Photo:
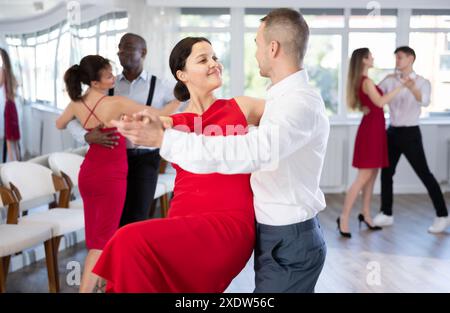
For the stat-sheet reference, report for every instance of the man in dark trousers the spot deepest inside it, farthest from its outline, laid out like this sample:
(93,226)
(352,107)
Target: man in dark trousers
(143,164)
(404,137)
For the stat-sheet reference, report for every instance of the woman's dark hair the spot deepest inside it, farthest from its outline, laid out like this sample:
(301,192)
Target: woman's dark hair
(177,61)
(89,70)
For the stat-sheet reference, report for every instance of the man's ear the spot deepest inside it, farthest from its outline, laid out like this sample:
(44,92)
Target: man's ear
(144,52)
(274,48)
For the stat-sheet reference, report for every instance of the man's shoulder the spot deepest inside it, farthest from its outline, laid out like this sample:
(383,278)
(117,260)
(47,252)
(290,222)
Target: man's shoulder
(422,79)
(303,97)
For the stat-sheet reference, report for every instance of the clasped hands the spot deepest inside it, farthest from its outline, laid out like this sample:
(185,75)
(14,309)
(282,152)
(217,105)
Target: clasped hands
(143,128)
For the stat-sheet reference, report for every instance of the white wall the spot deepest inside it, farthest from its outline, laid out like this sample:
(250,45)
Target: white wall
(338,174)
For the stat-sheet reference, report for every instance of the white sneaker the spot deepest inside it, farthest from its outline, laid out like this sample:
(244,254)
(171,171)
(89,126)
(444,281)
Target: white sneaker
(383,220)
(439,225)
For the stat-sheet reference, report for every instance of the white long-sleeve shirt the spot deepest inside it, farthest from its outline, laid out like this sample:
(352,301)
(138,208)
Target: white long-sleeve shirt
(285,153)
(404,109)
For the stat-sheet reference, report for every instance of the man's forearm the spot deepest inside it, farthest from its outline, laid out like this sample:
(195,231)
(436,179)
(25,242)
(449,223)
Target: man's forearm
(417,94)
(222,154)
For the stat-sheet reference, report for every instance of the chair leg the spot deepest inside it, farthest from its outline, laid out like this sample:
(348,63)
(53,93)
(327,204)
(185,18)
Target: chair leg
(52,272)
(4,267)
(164,205)
(56,242)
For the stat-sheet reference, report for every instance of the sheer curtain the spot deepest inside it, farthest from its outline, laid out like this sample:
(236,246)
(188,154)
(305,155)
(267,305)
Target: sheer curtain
(159,27)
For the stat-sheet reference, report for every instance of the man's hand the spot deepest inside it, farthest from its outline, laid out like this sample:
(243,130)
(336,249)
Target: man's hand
(144,129)
(409,83)
(107,139)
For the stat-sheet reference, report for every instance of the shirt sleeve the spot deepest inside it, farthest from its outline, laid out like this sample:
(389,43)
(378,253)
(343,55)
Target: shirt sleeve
(77,131)
(262,148)
(384,84)
(168,87)
(425,90)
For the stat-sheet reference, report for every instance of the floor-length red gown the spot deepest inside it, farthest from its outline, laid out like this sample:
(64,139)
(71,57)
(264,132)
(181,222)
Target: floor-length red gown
(205,241)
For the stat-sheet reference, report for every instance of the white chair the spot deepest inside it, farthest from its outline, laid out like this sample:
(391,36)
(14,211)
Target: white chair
(16,238)
(67,165)
(31,181)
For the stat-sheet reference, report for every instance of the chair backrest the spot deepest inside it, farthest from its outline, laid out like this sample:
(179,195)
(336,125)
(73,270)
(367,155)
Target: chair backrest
(7,199)
(33,184)
(41,160)
(68,163)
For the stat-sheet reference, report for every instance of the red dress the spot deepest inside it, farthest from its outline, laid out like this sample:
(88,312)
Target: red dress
(102,182)
(12,131)
(371,142)
(205,241)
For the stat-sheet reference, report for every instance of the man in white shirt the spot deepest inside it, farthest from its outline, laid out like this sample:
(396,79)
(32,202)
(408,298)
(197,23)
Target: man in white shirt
(404,137)
(143,164)
(290,249)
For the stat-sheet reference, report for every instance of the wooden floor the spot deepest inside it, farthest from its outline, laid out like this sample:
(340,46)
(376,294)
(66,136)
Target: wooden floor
(400,258)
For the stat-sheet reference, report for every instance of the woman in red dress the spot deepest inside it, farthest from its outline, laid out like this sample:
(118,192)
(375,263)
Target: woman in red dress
(103,173)
(209,234)
(12,130)
(370,152)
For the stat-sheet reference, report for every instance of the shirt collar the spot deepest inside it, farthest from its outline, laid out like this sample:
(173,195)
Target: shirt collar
(144,76)
(299,78)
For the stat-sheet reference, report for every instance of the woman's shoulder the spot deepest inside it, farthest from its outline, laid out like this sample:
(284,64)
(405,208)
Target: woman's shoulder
(366,82)
(246,100)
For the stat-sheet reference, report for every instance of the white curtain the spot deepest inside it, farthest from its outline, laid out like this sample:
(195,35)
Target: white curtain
(159,27)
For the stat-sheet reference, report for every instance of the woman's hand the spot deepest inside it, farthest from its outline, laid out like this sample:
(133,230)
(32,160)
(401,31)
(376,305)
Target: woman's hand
(166,121)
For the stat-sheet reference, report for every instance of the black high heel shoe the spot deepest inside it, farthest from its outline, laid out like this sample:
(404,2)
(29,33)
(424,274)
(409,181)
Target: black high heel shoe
(343,234)
(361,220)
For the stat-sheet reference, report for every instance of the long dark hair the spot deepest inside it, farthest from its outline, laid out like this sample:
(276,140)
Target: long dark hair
(88,71)
(10,79)
(177,61)
(355,69)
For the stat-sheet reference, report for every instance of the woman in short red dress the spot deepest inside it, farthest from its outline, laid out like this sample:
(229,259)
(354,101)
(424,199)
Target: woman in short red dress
(12,130)
(103,173)
(209,234)
(370,152)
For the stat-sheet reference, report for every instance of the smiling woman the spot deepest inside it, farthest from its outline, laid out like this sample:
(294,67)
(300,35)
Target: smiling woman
(208,236)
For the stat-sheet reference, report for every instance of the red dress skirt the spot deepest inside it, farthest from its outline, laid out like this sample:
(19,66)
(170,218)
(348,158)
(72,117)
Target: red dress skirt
(12,131)
(103,186)
(371,149)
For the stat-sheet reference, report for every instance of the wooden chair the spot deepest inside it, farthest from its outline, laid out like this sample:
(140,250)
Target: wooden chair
(67,165)
(15,238)
(36,184)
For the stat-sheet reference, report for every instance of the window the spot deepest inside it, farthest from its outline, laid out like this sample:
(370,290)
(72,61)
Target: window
(382,46)
(56,49)
(213,24)
(430,18)
(433,63)
(322,59)
(373,18)
(324,18)
(205,17)
(430,38)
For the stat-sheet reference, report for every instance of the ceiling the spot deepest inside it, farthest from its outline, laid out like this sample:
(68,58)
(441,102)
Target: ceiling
(22,9)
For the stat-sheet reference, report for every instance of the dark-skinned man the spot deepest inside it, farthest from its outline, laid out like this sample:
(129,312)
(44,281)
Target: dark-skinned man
(143,164)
